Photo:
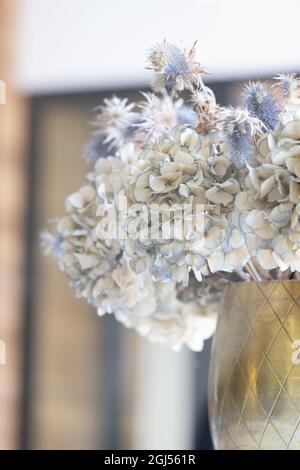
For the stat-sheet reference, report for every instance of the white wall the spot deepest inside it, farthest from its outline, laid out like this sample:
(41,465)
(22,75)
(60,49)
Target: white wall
(92,44)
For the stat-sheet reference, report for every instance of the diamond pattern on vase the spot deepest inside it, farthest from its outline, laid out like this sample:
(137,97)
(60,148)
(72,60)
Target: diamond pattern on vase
(253,417)
(255,380)
(271,440)
(279,356)
(295,441)
(244,438)
(284,407)
(292,386)
(267,387)
(281,301)
(293,289)
(266,327)
(292,322)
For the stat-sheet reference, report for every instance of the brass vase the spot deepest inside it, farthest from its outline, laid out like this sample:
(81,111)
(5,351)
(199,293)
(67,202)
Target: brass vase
(254,382)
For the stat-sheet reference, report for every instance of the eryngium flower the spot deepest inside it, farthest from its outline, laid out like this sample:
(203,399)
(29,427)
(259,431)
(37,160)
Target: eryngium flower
(174,69)
(186,115)
(239,130)
(115,118)
(158,116)
(95,148)
(166,56)
(261,104)
(288,83)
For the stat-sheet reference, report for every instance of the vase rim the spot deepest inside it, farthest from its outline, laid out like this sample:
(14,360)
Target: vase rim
(271,281)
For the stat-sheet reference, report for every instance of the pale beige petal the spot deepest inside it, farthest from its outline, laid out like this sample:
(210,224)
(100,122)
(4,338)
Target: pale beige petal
(266,259)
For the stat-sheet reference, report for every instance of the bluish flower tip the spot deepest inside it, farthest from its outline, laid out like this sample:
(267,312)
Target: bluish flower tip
(95,148)
(186,115)
(239,129)
(261,104)
(240,147)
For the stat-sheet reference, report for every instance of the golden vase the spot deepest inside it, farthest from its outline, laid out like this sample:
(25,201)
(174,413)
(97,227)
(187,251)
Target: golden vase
(254,381)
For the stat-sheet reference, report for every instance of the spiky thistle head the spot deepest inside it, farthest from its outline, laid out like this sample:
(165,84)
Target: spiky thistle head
(203,97)
(261,104)
(165,55)
(287,83)
(174,69)
(204,103)
(95,148)
(240,129)
(158,115)
(186,115)
(113,121)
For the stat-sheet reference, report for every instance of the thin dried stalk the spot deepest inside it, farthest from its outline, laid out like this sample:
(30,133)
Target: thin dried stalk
(263,274)
(258,274)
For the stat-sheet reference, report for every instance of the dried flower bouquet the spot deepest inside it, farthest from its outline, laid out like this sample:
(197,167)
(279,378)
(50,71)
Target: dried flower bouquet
(184,197)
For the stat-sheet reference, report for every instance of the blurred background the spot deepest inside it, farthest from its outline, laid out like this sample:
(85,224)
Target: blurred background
(69,379)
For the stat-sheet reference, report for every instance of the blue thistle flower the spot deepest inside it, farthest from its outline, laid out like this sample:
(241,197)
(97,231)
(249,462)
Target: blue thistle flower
(98,146)
(174,68)
(112,122)
(239,130)
(240,146)
(131,129)
(175,65)
(286,82)
(261,104)
(95,148)
(186,115)
(168,58)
